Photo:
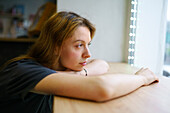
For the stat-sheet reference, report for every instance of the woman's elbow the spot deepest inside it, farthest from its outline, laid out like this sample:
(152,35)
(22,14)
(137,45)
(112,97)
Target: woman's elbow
(104,91)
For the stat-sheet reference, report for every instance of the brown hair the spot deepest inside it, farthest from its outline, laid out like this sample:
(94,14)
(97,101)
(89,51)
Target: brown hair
(55,31)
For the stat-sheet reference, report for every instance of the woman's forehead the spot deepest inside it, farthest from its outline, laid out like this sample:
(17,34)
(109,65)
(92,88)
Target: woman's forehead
(82,33)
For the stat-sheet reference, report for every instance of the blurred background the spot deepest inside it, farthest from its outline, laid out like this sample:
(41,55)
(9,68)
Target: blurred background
(16,16)
(20,25)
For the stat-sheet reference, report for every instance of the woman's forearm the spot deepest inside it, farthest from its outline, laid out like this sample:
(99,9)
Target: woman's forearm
(119,85)
(108,86)
(96,67)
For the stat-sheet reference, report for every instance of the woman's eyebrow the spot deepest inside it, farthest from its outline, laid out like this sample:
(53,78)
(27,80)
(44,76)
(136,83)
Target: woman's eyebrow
(80,41)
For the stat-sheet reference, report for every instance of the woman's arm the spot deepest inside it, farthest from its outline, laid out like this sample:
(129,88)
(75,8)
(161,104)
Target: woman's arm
(97,88)
(96,67)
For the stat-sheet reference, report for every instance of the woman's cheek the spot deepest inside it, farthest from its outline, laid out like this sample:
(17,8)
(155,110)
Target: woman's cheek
(74,55)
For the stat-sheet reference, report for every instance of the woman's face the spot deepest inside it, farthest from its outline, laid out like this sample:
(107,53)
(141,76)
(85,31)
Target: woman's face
(75,50)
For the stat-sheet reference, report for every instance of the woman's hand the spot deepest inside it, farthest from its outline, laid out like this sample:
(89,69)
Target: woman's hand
(149,76)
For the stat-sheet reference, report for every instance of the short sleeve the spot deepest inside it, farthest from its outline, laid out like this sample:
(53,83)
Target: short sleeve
(19,77)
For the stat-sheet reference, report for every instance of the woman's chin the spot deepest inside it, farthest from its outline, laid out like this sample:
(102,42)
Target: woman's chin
(77,69)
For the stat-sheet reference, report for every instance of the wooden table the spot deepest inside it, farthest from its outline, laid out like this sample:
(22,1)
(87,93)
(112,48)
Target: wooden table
(150,99)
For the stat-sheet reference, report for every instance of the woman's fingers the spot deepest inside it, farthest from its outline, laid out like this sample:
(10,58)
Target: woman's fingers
(148,74)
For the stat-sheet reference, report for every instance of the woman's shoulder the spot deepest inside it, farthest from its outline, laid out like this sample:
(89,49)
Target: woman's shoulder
(26,66)
(18,64)
(22,62)
(23,72)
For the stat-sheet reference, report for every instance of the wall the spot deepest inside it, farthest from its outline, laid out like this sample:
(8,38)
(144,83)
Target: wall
(150,34)
(110,18)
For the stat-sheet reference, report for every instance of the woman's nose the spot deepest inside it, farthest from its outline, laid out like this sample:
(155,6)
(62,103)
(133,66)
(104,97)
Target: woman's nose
(86,53)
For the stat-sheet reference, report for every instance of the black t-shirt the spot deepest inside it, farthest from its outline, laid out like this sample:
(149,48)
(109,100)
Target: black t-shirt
(16,82)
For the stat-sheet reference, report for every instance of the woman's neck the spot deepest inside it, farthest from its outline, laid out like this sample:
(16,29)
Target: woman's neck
(58,67)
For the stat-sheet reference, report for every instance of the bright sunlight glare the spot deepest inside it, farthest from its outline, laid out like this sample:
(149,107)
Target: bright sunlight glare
(168,12)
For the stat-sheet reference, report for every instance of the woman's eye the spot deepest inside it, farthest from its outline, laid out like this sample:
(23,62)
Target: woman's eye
(79,45)
(89,44)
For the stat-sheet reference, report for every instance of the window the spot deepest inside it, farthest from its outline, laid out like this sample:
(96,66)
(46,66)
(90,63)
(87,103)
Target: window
(166,71)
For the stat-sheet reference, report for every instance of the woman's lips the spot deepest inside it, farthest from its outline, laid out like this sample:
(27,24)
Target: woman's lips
(83,63)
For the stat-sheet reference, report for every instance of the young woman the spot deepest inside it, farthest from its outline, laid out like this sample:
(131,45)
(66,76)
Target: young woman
(57,64)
